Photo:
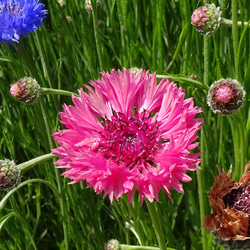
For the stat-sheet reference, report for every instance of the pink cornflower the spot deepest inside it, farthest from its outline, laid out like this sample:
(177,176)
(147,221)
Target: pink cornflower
(129,133)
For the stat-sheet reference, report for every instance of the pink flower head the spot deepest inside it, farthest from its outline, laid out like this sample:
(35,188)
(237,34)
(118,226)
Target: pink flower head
(226,96)
(206,19)
(129,133)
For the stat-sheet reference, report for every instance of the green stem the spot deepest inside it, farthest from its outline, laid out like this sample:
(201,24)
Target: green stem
(239,142)
(128,247)
(42,55)
(206,61)
(236,172)
(235,34)
(43,59)
(152,209)
(58,177)
(229,23)
(96,33)
(137,223)
(243,141)
(200,182)
(122,14)
(184,80)
(48,91)
(25,166)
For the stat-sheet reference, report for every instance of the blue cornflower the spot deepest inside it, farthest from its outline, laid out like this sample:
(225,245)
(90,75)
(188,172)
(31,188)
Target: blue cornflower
(19,17)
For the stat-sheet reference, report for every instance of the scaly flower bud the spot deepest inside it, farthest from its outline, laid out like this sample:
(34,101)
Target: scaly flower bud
(10,175)
(112,245)
(225,96)
(26,90)
(206,19)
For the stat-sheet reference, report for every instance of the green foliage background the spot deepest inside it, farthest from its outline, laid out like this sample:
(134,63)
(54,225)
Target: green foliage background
(71,48)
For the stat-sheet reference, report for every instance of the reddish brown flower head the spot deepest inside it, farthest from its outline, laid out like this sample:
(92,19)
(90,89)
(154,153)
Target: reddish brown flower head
(225,96)
(230,203)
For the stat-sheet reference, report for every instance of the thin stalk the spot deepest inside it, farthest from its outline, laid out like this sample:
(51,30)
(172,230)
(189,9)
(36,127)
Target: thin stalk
(239,142)
(235,33)
(206,60)
(152,209)
(58,178)
(184,80)
(122,12)
(25,166)
(96,33)
(200,180)
(43,59)
(243,141)
(229,23)
(137,224)
(236,172)
(47,91)
(45,66)
(128,247)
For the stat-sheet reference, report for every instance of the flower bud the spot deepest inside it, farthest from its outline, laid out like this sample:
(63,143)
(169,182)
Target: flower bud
(225,96)
(69,19)
(206,19)
(26,90)
(62,3)
(112,245)
(10,175)
(88,5)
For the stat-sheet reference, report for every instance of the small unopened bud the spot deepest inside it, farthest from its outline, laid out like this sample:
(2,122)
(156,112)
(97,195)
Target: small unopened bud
(98,4)
(101,24)
(26,90)
(193,77)
(112,245)
(206,19)
(225,96)
(69,19)
(62,3)
(10,175)
(89,8)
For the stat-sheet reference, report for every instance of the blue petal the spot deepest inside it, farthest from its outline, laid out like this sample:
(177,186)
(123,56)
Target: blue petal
(22,17)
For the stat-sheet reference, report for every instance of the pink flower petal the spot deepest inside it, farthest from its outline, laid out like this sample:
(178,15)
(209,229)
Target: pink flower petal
(129,133)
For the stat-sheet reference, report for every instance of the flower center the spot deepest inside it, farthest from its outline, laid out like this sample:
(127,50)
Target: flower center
(224,94)
(131,140)
(240,200)
(199,17)
(12,8)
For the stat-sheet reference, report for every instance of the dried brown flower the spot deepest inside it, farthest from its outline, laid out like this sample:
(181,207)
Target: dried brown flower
(230,202)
